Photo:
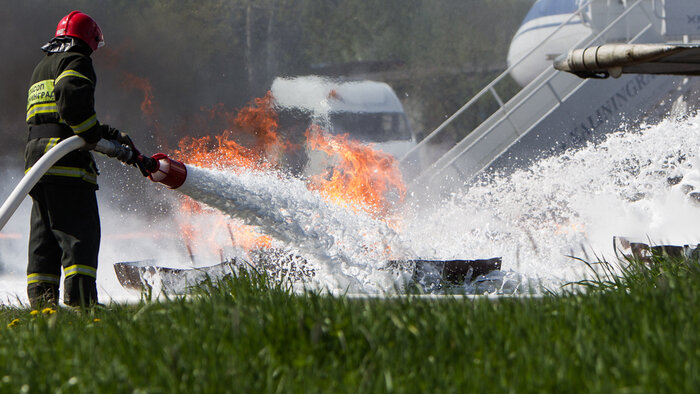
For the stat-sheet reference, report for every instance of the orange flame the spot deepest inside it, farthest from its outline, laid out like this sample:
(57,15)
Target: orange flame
(254,126)
(132,81)
(220,152)
(148,108)
(257,124)
(260,120)
(361,177)
(207,230)
(10,236)
(247,238)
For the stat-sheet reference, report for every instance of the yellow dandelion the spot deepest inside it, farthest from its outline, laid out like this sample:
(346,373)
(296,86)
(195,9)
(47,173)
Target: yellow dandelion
(13,323)
(48,311)
(96,320)
(34,312)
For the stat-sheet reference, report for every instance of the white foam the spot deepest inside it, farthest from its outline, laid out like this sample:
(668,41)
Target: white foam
(570,205)
(573,204)
(348,246)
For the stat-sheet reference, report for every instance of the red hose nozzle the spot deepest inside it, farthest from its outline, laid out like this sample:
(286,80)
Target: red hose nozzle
(170,172)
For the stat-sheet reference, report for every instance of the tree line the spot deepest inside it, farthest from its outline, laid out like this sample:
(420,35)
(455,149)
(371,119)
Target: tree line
(199,54)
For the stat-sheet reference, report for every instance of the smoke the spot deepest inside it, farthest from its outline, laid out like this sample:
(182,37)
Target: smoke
(201,54)
(15,234)
(149,42)
(308,94)
(194,56)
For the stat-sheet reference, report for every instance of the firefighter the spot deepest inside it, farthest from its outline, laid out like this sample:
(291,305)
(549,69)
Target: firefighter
(65,224)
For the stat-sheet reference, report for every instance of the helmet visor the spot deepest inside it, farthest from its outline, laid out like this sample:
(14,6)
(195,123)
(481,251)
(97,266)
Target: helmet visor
(100,40)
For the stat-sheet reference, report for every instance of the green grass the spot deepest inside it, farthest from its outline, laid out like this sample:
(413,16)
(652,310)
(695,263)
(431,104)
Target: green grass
(636,334)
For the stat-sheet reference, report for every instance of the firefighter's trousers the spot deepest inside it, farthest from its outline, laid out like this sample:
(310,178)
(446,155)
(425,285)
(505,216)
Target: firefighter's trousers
(65,232)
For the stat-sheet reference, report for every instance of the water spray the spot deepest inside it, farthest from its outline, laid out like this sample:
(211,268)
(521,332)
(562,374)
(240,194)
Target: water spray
(284,208)
(159,168)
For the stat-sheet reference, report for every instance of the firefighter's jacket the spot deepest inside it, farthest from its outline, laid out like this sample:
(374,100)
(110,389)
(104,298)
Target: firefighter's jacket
(60,104)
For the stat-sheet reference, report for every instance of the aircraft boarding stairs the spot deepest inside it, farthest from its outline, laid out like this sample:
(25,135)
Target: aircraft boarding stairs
(554,112)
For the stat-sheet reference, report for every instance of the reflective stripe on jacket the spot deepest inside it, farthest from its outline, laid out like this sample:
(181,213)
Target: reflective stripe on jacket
(62,92)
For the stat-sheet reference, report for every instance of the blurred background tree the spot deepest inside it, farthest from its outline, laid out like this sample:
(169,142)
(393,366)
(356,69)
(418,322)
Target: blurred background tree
(192,55)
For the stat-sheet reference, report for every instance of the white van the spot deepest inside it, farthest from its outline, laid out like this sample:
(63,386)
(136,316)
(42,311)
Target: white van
(367,111)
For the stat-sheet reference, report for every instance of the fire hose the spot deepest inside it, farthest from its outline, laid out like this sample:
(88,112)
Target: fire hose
(158,168)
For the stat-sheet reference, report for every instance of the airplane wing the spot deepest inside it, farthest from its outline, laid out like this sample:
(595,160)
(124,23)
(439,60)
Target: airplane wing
(608,60)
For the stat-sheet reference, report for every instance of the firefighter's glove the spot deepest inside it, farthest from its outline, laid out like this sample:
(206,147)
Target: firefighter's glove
(88,146)
(145,164)
(118,151)
(131,160)
(124,139)
(111,133)
(126,155)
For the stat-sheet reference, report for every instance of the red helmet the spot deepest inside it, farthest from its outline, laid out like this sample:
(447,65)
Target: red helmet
(79,25)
